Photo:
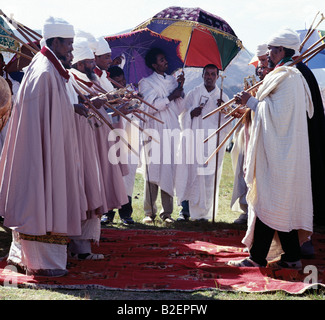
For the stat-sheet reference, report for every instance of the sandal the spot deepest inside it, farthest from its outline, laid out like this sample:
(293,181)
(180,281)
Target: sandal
(247,262)
(86,256)
(297,265)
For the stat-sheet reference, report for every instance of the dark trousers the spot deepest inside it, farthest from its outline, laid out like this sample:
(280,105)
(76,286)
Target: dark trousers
(185,208)
(263,236)
(124,212)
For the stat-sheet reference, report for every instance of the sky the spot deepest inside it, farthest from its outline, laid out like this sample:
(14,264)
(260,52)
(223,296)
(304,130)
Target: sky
(253,21)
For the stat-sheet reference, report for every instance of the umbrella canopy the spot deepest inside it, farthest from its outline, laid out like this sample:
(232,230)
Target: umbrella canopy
(318,61)
(5,39)
(205,38)
(134,47)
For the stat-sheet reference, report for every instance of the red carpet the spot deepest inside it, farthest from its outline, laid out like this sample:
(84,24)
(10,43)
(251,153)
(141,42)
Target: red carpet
(175,260)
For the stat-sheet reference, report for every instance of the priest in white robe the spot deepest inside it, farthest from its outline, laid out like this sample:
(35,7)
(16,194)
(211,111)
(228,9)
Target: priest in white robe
(195,181)
(280,216)
(41,195)
(164,92)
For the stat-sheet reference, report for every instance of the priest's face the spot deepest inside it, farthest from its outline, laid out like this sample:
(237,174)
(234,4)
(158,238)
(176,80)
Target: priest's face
(121,80)
(210,76)
(275,55)
(104,61)
(67,61)
(87,66)
(62,48)
(263,60)
(161,64)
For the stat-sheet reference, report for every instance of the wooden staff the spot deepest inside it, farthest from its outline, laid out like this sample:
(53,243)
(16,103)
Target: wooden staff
(150,116)
(217,159)
(311,30)
(311,52)
(219,129)
(227,137)
(139,117)
(93,108)
(299,59)
(84,87)
(231,101)
(19,40)
(21,26)
(142,100)
(108,93)
(316,43)
(314,54)
(16,52)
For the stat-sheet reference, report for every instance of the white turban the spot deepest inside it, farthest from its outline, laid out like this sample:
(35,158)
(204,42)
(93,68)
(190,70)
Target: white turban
(57,27)
(81,50)
(261,50)
(286,38)
(102,47)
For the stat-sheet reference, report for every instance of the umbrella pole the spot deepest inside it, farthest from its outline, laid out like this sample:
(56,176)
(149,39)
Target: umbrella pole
(217,158)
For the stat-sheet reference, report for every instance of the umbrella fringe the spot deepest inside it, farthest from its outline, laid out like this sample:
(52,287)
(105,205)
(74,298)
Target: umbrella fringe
(129,34)
(193,24)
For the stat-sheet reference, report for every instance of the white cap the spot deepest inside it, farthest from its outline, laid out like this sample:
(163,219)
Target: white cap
(286,38)
(81,50)
(57,27)
(102,47)
(261,50)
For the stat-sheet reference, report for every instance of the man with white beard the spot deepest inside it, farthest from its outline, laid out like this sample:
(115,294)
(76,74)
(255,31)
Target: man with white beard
(195,181)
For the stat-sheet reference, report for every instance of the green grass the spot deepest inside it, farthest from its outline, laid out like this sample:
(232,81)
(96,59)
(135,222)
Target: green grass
(224,219)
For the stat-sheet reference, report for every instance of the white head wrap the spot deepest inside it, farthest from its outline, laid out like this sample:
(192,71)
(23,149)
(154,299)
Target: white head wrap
(81,50)
(261,50)
(57,27)
(102,47)
(286,38)
(42,43)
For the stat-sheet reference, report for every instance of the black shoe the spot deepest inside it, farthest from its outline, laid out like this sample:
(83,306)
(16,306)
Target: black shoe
(106,220)
(127,221)
(183,217)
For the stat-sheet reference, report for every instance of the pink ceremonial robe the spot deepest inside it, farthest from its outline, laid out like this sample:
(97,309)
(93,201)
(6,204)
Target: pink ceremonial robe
(41,190)
(112,173)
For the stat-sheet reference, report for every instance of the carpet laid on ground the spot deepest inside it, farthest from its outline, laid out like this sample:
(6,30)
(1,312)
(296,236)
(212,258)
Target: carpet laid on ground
(176,260)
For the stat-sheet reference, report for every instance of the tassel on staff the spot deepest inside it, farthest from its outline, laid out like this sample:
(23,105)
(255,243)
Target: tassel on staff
(105,94)
(142,100)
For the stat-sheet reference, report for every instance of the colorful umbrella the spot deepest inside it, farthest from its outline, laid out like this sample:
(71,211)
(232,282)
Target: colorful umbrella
(134,46)
(318,61)
(205,38)
(5,39)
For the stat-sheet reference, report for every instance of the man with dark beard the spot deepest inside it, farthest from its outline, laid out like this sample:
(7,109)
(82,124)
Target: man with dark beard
(112,192)
(40,169)
(278,174)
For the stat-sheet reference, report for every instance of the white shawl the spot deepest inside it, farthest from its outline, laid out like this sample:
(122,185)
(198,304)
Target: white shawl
(278,164)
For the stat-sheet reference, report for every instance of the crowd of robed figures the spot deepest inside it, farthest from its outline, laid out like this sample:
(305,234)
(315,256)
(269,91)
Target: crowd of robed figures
(61,131)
